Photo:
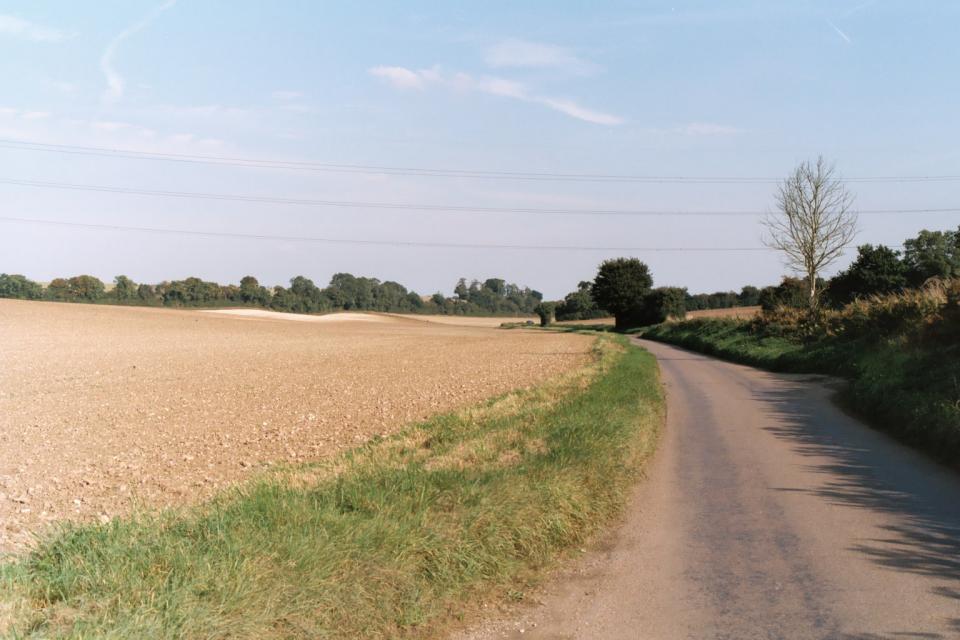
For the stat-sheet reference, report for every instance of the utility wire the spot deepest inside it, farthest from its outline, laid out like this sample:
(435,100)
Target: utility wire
(352,241)
(22,145)
(411,206)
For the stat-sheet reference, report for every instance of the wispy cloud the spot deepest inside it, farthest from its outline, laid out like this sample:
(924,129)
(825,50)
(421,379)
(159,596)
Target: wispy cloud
(407,79)
(706,129)
(399,77)
(115,82)
(840,32)
(523,53)
(286,95)
(574,110)
(18,27)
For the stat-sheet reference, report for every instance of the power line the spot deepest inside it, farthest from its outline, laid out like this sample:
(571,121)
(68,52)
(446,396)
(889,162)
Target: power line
(22,145)
(442,208)
(352,241)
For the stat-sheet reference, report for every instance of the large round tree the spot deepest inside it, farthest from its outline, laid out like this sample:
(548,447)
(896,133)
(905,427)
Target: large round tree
(619,288)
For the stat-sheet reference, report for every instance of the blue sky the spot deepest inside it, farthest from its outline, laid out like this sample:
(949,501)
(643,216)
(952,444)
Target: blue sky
(641,88)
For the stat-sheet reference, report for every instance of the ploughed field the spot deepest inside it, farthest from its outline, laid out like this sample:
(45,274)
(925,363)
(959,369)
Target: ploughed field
(103,408)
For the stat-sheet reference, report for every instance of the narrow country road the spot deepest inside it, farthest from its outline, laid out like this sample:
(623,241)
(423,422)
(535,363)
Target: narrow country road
(767,513)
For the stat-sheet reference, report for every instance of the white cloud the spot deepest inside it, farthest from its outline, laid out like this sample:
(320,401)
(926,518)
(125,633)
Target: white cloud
(115,82)
(399,77)
(403,78)
(286,95)
(522,53)
(35,115)
(13,26)
(574,110)
(501,87)
(8,112)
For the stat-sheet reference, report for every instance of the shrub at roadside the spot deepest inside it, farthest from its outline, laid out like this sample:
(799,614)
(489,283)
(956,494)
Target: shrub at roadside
(660,305)
(901,353)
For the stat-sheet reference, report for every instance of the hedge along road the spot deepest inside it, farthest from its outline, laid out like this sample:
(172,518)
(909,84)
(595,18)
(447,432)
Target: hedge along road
(768,513)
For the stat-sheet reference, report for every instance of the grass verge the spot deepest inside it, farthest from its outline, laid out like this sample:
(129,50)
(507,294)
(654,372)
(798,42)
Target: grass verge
(390,540)
(910,389)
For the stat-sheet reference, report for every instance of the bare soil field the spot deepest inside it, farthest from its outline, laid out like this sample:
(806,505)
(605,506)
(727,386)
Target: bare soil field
(732,312)
(298,317)
(103,408)
(467,321)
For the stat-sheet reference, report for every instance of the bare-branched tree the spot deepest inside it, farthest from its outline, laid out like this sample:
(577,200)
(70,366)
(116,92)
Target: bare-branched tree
(814,222)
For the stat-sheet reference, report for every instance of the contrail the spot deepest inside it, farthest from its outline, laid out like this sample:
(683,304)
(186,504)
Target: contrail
(840,32)
(114,79)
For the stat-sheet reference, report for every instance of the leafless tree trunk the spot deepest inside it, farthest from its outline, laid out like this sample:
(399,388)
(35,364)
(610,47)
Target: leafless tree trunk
(814,221)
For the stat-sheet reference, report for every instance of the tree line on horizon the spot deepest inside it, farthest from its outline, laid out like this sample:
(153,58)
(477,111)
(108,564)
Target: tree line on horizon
(345,292)
(876,270)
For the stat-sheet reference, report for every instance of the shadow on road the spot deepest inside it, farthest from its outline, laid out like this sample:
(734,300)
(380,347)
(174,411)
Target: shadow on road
(923,496)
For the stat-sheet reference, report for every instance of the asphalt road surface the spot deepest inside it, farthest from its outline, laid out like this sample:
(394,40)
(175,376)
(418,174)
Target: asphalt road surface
(767,513)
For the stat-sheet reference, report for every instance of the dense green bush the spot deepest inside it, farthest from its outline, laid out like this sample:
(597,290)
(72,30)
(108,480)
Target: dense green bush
(619,288)
(123,289)
(251,292)
(546,312)
(579,304)
(18,286)
(791,292)
(932,254)
(880,270)
(76,289)
(660,305)
(876,270)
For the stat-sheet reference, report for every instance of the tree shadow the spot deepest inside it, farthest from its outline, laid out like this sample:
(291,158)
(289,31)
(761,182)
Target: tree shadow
(869,470)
